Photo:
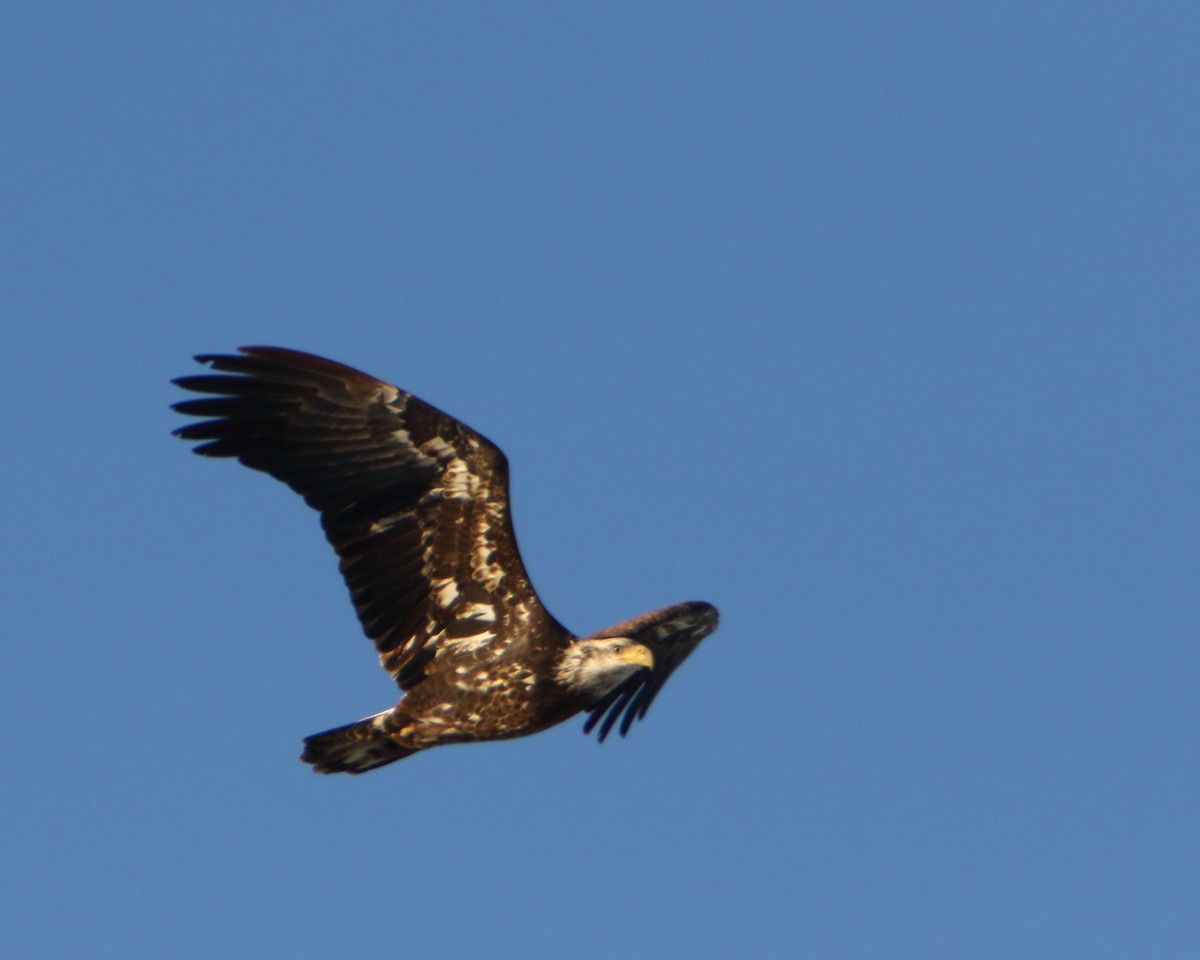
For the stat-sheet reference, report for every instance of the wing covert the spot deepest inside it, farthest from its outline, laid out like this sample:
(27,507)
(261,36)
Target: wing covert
(414,502)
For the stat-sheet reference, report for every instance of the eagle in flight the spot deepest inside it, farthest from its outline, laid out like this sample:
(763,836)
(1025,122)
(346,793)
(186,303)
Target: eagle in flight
(416,506)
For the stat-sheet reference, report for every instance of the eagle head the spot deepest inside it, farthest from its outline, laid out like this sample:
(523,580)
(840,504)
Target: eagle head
(593,667)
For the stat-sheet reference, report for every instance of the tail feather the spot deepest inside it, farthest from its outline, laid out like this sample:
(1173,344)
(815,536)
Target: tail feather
(354,748)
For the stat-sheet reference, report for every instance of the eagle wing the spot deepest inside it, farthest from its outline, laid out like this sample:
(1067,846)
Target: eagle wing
(671,633)
(414,502)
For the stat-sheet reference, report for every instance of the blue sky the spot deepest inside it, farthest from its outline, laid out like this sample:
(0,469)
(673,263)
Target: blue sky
(874,325)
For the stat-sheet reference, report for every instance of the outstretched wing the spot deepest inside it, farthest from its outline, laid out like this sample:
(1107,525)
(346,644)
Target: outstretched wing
(671,633)
(414,502)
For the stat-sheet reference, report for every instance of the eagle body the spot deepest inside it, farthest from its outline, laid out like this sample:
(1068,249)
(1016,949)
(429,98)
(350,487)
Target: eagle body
(463,700)
(415,504)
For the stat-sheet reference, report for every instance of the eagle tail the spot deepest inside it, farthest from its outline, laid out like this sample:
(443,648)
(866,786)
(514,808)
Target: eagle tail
(354,748)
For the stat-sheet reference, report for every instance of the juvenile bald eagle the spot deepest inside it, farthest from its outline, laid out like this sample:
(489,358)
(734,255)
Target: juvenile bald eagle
(416,506)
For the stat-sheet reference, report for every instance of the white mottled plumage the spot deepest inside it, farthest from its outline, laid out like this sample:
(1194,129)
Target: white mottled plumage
(416,505)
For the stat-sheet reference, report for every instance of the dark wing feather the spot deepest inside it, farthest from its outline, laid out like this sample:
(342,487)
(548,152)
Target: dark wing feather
(414,502)
(672,633)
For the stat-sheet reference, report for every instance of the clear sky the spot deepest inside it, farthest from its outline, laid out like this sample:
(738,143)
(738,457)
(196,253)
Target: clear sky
(876,325)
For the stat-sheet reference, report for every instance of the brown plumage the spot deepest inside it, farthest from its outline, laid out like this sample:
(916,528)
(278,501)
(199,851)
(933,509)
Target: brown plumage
(416,506)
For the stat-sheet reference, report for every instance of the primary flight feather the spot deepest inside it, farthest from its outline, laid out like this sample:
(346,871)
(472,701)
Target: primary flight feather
(416,505)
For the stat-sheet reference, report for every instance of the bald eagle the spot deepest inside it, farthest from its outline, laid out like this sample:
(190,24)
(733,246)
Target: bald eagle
(416,506)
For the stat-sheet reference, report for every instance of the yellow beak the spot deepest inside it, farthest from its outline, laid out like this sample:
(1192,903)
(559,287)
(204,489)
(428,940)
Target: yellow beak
(639,654)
